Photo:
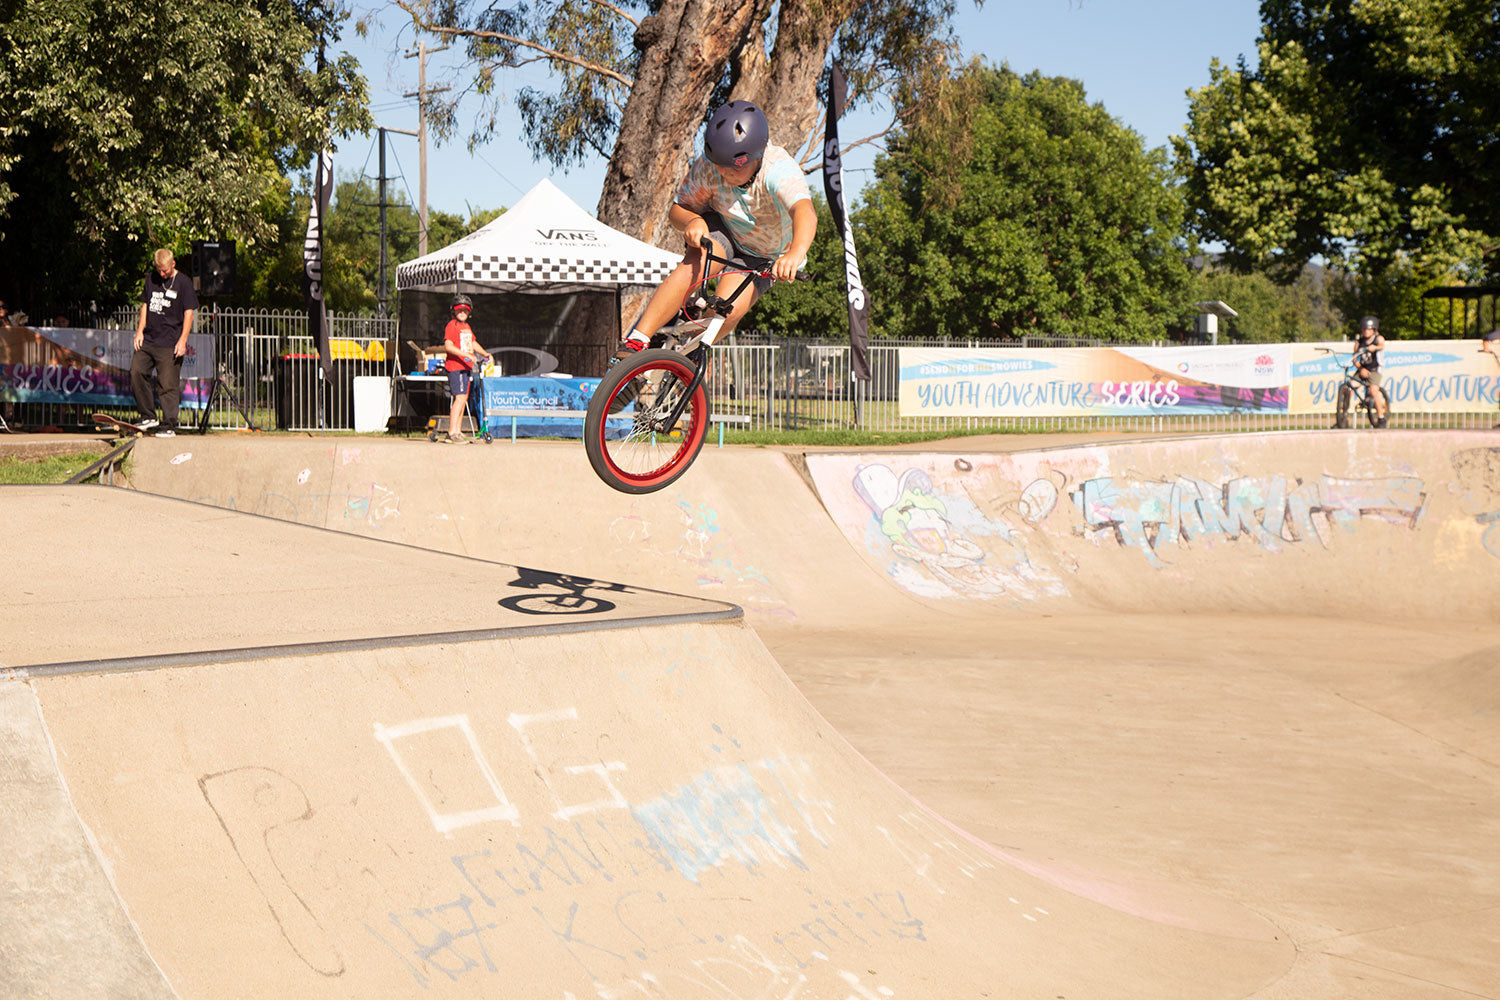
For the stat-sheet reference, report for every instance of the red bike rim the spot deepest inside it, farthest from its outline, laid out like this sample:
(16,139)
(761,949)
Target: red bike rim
(679,458)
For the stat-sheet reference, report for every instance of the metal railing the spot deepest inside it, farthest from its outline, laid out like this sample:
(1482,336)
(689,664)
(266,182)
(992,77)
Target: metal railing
(789,384)
(778,382)
(270,361)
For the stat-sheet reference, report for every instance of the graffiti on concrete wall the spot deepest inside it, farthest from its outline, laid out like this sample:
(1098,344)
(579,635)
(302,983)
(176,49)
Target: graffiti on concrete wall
(1155,516)
(701,539)
(1477,483)
(943,545)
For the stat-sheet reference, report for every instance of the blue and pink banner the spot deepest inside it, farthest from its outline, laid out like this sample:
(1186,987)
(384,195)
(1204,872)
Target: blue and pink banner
(87,367)
(1420,376)
(1450,376)
(1094,381)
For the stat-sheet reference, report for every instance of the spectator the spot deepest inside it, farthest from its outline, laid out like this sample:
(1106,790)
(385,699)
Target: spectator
(462,350)
(168,304)
(5,315)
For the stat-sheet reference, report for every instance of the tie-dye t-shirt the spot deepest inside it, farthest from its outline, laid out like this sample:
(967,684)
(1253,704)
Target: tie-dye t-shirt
(759,215)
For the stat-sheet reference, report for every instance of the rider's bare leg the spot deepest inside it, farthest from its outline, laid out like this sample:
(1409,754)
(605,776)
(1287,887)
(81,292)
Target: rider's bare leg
(667,299)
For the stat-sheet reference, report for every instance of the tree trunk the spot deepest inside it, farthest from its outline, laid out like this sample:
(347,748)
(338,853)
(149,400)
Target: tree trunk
(685,45)
(786,84)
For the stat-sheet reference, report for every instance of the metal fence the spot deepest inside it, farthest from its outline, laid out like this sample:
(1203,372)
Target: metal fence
(270,363)
(778,382)
(791,384)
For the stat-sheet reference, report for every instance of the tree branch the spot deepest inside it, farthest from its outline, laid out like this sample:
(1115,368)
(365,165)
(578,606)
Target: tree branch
(609,6)
(551,54)
(817,147)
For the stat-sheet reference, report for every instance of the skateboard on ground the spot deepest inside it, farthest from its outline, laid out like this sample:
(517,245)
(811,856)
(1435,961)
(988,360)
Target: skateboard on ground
(105,422)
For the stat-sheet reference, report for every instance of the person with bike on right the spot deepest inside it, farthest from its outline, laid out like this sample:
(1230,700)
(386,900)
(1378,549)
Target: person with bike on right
(1367,348)
(751,199)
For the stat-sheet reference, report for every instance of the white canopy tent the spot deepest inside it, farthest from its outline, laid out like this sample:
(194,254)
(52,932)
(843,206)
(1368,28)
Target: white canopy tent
(546,279)
(546,244)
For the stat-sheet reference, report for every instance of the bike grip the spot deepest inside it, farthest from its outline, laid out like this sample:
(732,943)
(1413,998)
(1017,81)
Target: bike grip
(706,243)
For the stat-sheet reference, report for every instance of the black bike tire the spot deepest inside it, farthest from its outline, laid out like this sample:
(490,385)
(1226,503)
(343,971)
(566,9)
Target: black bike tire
(595,425)
(1341,412)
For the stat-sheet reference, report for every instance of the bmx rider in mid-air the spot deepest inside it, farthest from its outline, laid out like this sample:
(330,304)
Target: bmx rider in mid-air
(750,198)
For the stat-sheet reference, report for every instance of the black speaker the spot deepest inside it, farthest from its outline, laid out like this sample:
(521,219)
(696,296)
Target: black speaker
(213,264)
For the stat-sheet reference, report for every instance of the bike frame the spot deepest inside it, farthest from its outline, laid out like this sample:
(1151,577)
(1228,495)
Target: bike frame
(1362,390)
(1359,390)
(696,348)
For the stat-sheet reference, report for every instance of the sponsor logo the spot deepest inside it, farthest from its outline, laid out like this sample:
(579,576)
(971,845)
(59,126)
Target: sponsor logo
(1182,366)
(569,235)
(741,160)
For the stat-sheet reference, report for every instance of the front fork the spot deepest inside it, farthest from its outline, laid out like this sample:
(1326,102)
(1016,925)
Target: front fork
(696,351)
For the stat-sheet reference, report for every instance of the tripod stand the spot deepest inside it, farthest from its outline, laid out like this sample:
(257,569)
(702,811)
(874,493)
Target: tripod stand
(223,384)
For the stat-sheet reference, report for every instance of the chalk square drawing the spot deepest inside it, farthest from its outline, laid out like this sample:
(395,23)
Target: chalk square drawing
(502,810)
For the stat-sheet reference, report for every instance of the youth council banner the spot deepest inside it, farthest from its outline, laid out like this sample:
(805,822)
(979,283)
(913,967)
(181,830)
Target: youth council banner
(88,367)
(1094,381)
(1420,376)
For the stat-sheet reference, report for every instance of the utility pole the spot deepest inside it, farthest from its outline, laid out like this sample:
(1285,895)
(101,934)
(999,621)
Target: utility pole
(381,291)
(421,95)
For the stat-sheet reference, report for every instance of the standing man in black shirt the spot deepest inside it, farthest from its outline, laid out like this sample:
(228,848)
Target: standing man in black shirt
(168,303)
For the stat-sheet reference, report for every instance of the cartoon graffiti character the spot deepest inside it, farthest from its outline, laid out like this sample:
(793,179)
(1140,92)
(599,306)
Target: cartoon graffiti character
(919,528)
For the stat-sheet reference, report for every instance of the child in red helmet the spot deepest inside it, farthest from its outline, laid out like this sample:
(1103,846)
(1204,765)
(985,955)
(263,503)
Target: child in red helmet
(463,351)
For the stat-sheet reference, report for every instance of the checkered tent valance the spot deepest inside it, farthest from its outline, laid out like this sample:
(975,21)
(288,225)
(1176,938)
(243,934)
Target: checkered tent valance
(499,269)
(560,270)
(423,272)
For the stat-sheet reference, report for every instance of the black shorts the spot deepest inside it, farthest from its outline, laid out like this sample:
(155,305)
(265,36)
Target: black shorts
(720,234)
(458,383)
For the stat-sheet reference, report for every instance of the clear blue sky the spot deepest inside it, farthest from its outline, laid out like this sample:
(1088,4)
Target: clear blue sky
(1136,57)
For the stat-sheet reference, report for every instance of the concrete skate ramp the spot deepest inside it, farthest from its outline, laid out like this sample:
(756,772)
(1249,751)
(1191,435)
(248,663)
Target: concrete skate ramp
(641,811)
(1295,522)
(1309,523)
(161,581)
(1190,678)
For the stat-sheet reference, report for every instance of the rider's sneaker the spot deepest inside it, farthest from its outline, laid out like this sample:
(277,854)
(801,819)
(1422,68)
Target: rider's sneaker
(166,432)
(147,423)
(628,347)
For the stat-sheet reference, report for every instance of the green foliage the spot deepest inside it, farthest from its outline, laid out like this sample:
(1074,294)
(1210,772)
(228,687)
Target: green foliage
(1049,218)
(815,308)
(135,125)
(1366,135)
(593,52)
(1304,309)
(351,243)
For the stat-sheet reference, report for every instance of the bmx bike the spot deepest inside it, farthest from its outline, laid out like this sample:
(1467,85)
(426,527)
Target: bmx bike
(647,419)
(1354,394)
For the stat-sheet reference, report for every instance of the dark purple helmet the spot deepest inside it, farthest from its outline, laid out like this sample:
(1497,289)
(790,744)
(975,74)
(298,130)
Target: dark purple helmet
(737,134)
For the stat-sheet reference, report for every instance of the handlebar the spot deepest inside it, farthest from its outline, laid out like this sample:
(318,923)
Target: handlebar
(708,246)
